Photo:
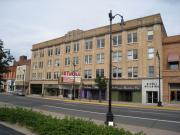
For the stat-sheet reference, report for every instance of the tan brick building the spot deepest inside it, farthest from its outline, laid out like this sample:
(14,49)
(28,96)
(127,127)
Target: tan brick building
(134,63)
(171,69)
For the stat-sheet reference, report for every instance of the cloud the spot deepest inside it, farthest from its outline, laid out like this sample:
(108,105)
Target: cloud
(24,23)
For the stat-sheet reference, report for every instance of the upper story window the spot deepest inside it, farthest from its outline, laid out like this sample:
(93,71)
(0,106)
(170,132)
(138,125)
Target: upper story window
(56,75)
(100,43)
(35,65)
(57,62)
(117,40)
(150,35)
(41,64)
(132,72)
(151,71)
(49,63)
(116,56)
(68,48)
(57,51)
(132,54)
(99,72)
(173,61)
(41,53)
(88,73)
(48,76)
(117,72)
(33,76)
(76,60)
(150,53)
(88,45)
(76,47)
(50,51)
(132,37)
(67,61)
(88,59)
(100,58)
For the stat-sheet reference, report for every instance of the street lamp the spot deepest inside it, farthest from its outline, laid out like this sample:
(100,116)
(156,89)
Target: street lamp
(109,115)
(73,90)
(159,101)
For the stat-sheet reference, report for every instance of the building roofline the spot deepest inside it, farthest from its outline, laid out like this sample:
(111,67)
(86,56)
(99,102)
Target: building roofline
(99,31)
(171,39)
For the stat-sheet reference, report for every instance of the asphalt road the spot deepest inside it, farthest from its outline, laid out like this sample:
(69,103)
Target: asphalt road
(8,131)
(151,118)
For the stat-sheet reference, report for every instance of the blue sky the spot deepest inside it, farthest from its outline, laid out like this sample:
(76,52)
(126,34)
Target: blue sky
(26,22)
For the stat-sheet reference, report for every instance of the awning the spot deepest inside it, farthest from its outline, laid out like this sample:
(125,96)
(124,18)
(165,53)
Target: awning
(173,57)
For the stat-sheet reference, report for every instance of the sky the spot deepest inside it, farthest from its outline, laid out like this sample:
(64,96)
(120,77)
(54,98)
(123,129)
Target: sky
(27,22)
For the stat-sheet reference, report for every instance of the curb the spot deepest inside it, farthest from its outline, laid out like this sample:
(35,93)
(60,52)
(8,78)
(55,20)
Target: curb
(113,104)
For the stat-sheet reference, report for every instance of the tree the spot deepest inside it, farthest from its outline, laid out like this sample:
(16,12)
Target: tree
(102,84)
(5,59)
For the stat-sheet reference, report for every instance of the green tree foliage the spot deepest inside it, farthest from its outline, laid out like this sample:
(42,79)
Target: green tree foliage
(5,59)
(101,83)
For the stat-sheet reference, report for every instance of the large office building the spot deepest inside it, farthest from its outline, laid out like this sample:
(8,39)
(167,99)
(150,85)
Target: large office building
(80,56)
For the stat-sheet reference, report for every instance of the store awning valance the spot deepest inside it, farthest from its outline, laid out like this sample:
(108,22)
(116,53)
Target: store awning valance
(173,57)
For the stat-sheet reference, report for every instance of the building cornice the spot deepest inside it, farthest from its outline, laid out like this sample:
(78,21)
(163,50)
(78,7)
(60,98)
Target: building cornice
(77,35)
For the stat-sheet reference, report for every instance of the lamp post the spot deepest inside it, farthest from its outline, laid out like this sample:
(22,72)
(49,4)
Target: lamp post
(109,115)
(73,90)
(159,101)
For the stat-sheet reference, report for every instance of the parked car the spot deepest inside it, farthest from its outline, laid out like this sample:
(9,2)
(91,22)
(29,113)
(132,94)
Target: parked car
(20,93)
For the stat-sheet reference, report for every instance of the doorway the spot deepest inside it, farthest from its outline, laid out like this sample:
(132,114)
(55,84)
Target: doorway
(152,96)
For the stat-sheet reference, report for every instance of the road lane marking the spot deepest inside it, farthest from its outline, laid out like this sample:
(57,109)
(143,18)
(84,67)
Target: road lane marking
(169,121)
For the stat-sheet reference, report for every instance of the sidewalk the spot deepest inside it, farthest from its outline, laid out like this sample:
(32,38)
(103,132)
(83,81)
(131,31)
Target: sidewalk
(173,107)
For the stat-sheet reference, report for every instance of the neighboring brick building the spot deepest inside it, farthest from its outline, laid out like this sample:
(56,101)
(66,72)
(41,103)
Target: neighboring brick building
(9,85)
(10,77)
(134,63)
(171,69)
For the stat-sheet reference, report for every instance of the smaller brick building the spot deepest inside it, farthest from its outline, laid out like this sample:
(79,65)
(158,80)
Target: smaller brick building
(171,69)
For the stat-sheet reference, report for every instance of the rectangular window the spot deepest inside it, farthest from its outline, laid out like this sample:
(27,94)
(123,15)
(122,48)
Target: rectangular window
(100,58)
(174,65)
(41,53)
(50,51)
(116,56)
(151,71)
(150,35)
(100,43)
(48,75)
(135,72)
(132,37)
(76,47)
(56,75)
(88,73)
(117,72)
(150,53)
(88,45)
(49,63)
(132,54)
(76,60)
(88,59)
(41,64)
(57,63)
(57,51)
(132,72)
(99,72)
(68,48)
(67,61)
(117,40)
(33,76)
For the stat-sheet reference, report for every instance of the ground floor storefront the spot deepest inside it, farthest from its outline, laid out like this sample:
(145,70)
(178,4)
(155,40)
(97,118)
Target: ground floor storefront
(147,91)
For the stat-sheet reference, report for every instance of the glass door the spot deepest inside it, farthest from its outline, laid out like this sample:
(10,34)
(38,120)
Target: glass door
(152,96)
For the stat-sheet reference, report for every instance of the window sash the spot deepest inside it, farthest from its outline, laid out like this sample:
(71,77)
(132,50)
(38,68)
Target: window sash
(100,58)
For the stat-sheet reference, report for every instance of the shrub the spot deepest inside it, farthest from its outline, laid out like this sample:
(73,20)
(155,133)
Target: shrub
(47,125)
